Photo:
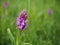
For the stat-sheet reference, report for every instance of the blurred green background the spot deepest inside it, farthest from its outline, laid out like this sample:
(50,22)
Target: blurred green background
(43,29)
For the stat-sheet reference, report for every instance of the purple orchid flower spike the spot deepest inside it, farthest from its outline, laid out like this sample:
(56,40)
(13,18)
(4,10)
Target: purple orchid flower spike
(22,21)
(6,4)
(49,11)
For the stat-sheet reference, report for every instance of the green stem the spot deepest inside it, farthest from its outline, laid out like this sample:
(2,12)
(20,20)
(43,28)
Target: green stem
(18,39)
(28,5)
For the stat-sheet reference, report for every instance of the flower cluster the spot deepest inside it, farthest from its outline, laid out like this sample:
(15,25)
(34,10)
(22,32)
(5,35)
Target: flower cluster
(6,4)
(22,21)
(49,11)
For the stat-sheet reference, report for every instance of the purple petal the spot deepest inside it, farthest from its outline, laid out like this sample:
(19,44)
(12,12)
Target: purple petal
(26,25)
(22,22)
(20,27)
(26,21)
(18,23)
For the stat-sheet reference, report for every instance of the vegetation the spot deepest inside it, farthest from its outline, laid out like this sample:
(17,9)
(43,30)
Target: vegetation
(43,28)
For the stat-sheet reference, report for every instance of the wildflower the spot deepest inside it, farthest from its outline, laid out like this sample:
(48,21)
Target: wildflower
(6,4)
(22,20)
(49,11)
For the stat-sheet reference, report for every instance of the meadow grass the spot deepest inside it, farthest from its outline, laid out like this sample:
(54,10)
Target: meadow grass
(43,29)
